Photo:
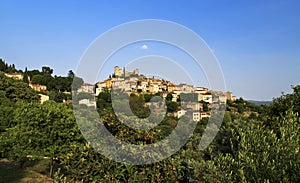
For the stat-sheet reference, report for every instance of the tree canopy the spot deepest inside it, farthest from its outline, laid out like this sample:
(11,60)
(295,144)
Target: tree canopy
(46,130)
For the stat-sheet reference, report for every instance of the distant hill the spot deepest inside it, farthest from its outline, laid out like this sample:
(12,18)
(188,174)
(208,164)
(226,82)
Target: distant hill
(260,102)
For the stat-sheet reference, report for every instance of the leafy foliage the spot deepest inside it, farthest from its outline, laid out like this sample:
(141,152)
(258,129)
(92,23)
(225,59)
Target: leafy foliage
(59,96)
(4,67)
(137,105)
(286,102)
(41,130)
(259,151)
(172,106)
(260,155)
(6,113)
(16,90)
(90,166)
(41,79)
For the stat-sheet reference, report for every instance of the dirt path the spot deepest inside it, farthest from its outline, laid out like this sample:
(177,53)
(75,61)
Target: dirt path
(10,172)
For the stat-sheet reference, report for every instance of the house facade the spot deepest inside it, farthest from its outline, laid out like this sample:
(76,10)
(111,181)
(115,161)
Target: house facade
(86,88)
(15,75)
(38,87)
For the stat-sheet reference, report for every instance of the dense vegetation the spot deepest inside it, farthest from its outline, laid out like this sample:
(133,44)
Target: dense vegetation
(4,67)
(254,144)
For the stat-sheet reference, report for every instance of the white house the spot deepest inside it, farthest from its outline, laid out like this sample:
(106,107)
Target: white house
(204,115)
(98,91)
(205,97)
(86,88)
(196,115)
(43,98)
(87,102)
(179,113)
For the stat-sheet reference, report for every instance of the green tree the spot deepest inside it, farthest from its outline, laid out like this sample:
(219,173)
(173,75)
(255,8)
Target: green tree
(71,74)
(31,73)
(6,112)
(7,68)
(262,155)
(265,150)
(169,97)
(205,106)
(59,84)
(172,106)
(252,115)
(86,165)
(2,65)
(58,96)
(47,70)
(227,118)
(241,108)
(41,79)
(285,102)
(103,100)
(17,90)
(137,105)
(77,83)
(42,130)
(25,76)
(147,97)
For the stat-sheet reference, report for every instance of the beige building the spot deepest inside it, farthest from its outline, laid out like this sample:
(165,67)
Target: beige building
(106,83)
(196,115)
(200,90)
(136,72)
(118,72)
(233,98)
(171,87)
(86,88)
(154,88)
(185,88)
(38,87)
(222,98)
(195,106)
(205,97)
(230,97)
(174,97)
(18,76)
(204,115)
(118,84)
(143,85)
(179,113)
(43,98)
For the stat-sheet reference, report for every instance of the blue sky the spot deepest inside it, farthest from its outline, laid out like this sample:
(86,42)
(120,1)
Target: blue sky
(256,42)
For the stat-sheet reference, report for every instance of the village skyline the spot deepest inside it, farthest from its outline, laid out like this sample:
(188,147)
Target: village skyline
(134,82)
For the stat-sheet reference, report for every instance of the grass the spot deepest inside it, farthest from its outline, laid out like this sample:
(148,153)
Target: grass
(32,172)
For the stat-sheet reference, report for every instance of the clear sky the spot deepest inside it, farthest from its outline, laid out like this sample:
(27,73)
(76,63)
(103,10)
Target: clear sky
(256,42)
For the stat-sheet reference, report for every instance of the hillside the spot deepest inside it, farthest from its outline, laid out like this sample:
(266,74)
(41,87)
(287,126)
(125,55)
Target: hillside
(260,102)
(256,143)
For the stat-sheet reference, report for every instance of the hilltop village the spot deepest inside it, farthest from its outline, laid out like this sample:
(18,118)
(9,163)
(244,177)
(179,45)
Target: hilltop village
(133,82)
